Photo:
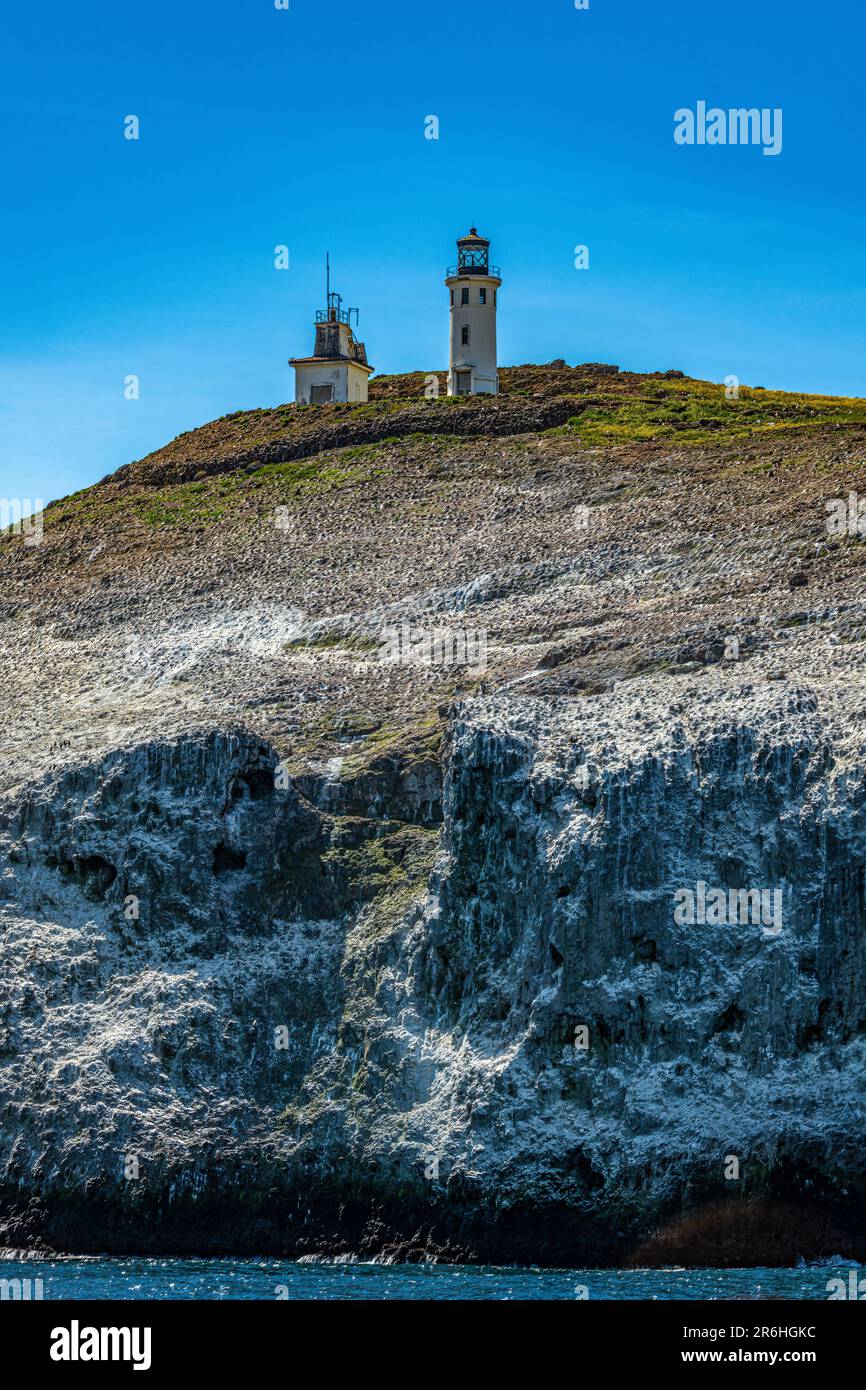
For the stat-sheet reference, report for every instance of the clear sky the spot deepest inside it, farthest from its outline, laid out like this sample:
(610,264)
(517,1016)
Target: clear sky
(306,127)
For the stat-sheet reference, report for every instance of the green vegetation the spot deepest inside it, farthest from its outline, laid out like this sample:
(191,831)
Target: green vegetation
(326,641)
(408,745)
(391,874)
(186,504)
(89,504)
(179,507)
(317,474)
(690,412)
(372,738)
(608,410)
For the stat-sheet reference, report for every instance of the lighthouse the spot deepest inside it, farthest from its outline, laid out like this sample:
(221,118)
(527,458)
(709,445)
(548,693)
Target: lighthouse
(338,369)
(474,284)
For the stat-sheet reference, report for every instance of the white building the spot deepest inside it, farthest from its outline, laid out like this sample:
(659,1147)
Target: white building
(473,283)
(338,369)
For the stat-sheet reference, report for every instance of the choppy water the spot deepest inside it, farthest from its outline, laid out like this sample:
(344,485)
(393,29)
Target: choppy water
(273,1279)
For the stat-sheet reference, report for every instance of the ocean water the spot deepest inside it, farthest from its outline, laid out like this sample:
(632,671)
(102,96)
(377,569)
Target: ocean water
(280,1279)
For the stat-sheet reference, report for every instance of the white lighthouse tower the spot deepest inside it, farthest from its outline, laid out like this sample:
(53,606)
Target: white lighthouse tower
(473,283)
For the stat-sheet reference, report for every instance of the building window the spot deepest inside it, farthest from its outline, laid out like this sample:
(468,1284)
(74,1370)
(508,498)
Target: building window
(482,296)
(464,335)
(452,298)
(320,395)
(464,296)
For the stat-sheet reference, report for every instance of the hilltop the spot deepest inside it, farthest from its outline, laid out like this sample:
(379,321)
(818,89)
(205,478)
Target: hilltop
(598,524)
(430,876)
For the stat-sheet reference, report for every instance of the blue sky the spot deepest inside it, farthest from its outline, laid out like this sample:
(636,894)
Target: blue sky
(305,127)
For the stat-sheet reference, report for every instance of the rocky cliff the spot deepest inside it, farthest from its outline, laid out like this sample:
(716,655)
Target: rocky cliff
(318,938)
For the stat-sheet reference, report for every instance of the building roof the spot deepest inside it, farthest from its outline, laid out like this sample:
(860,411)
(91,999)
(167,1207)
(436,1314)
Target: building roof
(335,361)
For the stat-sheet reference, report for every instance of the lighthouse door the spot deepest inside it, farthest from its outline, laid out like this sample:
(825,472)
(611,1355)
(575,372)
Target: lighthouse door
(464,383)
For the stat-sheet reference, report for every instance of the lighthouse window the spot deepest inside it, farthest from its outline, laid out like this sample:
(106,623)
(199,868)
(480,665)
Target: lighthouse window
(464,296)
(464,335)
(452,297)
(482,296)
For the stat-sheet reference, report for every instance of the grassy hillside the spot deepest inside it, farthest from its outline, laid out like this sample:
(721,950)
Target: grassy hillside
(594,405)
(596,524)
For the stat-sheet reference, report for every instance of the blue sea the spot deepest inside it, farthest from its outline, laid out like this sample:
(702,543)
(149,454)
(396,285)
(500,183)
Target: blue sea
(280,1279)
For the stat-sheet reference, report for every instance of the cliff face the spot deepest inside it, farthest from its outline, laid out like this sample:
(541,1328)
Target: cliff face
(304,951)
